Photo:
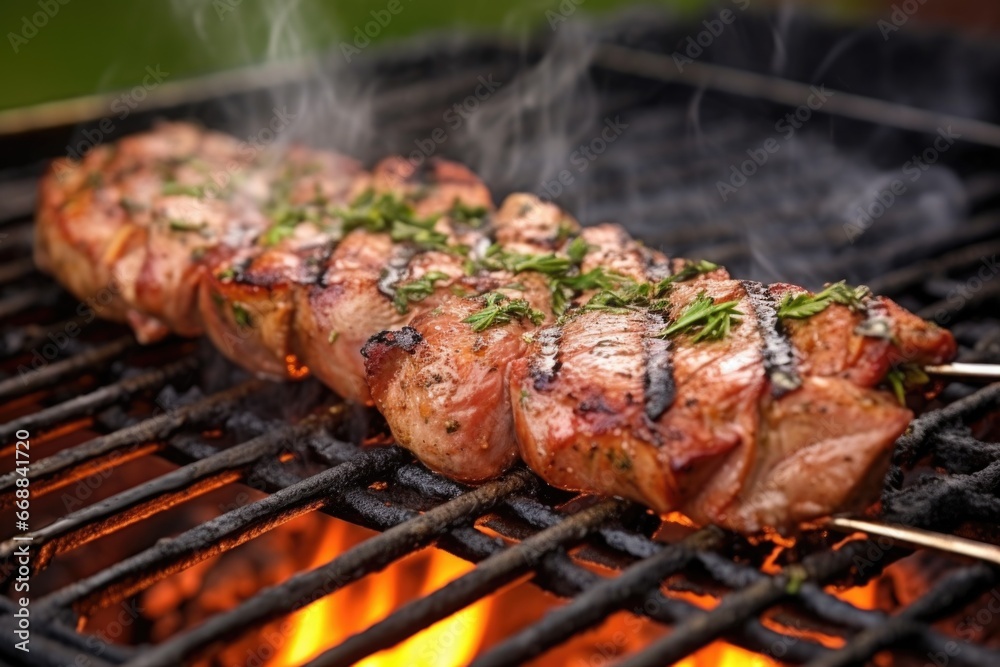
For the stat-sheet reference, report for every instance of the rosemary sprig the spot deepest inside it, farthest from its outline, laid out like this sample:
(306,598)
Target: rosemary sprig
(242,316)
(805,305)
(628,295)
(417,290)
(692,269)
(501,310)
(705,318)
(466,214)
(904,378)
(175,188)
(389,214)
(186,226)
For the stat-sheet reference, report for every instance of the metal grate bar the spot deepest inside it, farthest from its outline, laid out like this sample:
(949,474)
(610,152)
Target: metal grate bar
(734,609)
(948,595)
(16,269)
(68,465)
(594,604)
(157,495)
(102,397)
(218,535)
(367,557)
(57,371)
(489,575)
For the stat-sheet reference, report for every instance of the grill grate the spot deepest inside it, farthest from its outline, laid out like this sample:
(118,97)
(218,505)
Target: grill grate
(141,406)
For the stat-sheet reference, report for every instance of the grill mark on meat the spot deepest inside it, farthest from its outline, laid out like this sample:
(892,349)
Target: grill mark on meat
(406,339)
(396,269)
(776,349)
(657,267)
(658,377)
(546,364)
(877,323)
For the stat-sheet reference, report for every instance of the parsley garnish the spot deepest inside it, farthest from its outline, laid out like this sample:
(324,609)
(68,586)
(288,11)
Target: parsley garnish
(692,269)
(802,306)
(286,219)
(388,214)
(629,295)
(175,188)
(469,215)
(242,316)
(705,318)
(904,378)
(501,310)
(185,226)
(418,290)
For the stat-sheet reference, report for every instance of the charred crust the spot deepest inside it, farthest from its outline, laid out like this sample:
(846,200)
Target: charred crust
(546,365)
(659,385)
(776,347)
(406,339)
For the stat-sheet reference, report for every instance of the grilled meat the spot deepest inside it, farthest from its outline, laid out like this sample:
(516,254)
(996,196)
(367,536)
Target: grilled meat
(761,428)
(371,282)
(605,365)
(442,385)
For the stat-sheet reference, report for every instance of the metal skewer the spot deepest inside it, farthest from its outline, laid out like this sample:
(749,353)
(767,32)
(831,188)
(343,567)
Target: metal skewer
(919,537)
(988,372)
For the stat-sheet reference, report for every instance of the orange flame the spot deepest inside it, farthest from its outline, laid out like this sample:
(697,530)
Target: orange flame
(457,639)
(329,621)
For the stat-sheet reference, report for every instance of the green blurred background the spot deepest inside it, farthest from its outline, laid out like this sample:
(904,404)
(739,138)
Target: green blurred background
(55,49)
(90,46)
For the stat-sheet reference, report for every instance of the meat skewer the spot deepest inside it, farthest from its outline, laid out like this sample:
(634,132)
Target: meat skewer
(606,366)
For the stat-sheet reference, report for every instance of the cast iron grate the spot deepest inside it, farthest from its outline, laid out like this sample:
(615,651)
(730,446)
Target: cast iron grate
(944,474)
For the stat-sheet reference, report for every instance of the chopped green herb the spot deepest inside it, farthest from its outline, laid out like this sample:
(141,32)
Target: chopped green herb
(186,226)
(501,310)
(332,338)
(904,378)
(389,214)
(629,295)
(418,290)
(198,253)
(227,273)
(621,461)
(451,426)
(805,305)
(131,207)
(692,269)
(469,215)
(524,397)
(242,316)
(577,250)
(175,188)
(705,318)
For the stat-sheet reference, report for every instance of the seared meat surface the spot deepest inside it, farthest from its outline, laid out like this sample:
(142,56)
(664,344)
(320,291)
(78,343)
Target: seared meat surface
(746,437)
(513,333)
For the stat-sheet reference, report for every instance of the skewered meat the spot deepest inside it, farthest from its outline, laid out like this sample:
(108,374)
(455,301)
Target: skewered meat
(734,443)
(605,365)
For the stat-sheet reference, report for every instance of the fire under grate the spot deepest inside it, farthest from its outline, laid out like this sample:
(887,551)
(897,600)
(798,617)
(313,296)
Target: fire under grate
(944,477)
